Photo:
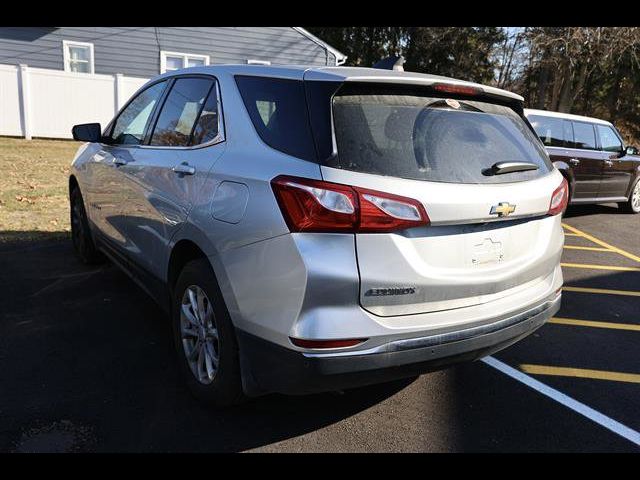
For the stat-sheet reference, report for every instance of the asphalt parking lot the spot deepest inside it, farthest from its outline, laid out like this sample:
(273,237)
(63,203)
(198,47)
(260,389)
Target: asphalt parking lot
(86,364)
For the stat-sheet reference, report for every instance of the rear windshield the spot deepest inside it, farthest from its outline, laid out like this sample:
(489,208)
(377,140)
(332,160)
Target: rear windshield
(430,138)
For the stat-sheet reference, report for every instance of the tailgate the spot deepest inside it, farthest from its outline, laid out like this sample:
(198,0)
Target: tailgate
(466,256)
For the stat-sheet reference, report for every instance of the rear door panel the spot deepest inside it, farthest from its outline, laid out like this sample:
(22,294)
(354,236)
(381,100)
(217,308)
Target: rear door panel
(587,173)
(587,162)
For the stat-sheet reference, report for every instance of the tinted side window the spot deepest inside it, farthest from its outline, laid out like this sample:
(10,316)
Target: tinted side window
(568,134)
(585,136)
(206,128)
(132,122)
(609,141)
(278,111)
(180,112)
(549,129)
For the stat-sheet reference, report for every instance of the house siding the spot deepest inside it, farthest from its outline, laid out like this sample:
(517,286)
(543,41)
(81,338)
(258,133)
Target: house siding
(135,51)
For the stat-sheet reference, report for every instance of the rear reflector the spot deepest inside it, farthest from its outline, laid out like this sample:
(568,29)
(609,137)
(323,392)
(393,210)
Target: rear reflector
(318,206)
(559,199)
(300,342)
(460,89)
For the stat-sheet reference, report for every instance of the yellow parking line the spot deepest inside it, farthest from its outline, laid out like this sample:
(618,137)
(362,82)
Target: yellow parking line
(604,291)
(593,249)
(601,243)
(600,267)
(580,373)
(590,323)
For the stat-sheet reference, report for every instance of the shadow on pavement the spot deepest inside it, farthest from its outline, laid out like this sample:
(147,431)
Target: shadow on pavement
(88,364)
(584,210)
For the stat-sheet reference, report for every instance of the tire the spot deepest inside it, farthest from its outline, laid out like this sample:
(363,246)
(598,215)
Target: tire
(83,243)
(633,204)
(212,371)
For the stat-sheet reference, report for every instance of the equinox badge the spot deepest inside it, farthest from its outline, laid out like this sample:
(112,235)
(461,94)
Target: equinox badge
(503,209)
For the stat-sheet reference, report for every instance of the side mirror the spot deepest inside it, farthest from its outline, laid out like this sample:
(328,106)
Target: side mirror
(87,132)
(632,151)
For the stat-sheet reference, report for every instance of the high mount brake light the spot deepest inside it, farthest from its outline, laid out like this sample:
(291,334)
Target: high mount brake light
(460,89)
(559,198)
(318,206)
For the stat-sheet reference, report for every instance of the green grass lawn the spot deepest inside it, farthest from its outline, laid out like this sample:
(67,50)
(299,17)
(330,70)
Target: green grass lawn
(34,201)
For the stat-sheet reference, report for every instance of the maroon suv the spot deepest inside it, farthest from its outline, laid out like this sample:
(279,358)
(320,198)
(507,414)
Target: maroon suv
(591,155)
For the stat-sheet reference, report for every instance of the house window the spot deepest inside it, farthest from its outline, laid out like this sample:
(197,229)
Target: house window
(174,60)
(78,56)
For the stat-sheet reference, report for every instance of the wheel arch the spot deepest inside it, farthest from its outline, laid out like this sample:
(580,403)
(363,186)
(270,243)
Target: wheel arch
(186,250)
(183,252)
(635,177)
(73,183)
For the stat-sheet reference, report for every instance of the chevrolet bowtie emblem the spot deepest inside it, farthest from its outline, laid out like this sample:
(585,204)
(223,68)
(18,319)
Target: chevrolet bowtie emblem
(503,209)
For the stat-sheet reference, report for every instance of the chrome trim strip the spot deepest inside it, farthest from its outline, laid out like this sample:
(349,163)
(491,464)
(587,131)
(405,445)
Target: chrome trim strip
(443,338)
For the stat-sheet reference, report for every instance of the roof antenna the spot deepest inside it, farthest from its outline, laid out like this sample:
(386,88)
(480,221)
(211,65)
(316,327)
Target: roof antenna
(393,62)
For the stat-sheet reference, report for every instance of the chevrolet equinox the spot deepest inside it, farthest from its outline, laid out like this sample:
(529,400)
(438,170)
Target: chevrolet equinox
(315,229)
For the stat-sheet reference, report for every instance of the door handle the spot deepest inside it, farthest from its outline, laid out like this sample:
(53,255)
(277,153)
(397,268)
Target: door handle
(608,163)
(574,161)
(184,168)
(119,161)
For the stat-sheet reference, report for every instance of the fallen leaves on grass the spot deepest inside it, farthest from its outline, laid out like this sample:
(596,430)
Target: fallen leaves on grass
(33,188)
(22,198)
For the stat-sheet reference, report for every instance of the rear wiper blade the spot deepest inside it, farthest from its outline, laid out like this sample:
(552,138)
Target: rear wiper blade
(510,167)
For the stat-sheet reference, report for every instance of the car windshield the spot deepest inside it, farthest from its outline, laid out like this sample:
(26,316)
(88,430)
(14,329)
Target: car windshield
(432,138)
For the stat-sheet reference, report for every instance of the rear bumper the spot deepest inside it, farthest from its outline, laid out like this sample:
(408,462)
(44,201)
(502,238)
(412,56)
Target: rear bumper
(268,367)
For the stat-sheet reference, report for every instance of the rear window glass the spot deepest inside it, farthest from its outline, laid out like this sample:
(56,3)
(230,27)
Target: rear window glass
(180,111)
(585,136)
(435,139)
(278,111)
(206,128)
(549,129)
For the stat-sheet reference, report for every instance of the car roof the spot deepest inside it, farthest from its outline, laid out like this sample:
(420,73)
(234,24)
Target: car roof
(344,74)
(566,116)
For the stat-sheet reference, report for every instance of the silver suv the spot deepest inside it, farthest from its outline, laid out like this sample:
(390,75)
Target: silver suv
(313,229)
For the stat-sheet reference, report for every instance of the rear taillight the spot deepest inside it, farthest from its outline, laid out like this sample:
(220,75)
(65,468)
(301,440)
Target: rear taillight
(318,206)
(559,199)
(312,205)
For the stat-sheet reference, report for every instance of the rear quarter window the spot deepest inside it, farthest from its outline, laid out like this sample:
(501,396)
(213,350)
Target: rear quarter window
(278,110)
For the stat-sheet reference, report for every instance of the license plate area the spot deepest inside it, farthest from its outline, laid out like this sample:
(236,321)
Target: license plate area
(485,248)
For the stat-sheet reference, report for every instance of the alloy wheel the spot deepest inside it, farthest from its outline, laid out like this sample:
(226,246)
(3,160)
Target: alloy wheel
(200,340)
(635,197)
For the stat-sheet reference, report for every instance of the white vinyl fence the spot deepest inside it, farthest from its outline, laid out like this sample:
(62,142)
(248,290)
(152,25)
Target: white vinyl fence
(38,102)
